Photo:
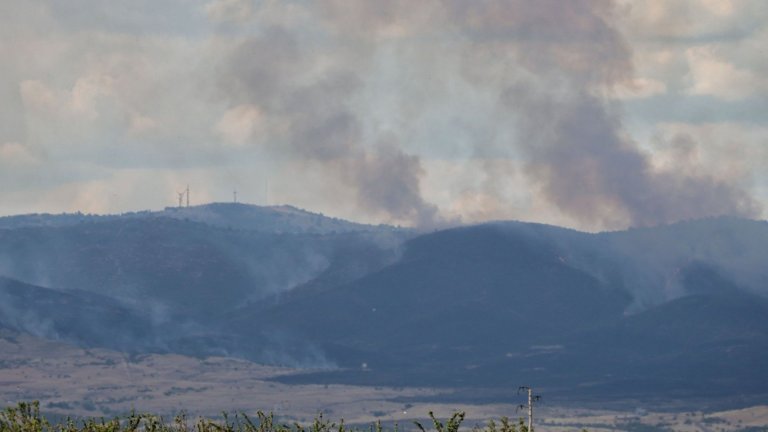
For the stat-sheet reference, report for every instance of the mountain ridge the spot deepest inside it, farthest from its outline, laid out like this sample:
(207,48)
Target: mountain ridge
(274,219)
(486,305)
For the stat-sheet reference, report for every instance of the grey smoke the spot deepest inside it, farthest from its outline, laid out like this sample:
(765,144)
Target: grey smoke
(12,316)
(284,349)
(571,134)
(321,127)
(552,65)
(577,151)
(389,179)
(11,114)
(369,98)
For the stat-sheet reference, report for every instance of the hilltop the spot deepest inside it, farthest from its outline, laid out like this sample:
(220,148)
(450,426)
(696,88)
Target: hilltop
(273,219)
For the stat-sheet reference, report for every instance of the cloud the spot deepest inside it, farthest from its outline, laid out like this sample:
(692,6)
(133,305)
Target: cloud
(640,88)
(731,152)
(81,103)
(689,21)
(698,47)
(713,76)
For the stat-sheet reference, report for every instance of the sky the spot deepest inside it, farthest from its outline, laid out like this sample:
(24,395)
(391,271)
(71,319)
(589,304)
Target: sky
(595,115)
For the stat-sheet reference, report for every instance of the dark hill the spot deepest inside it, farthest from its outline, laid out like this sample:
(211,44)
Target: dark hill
(493,306)
(695,346)
(457,299)
(496,305)
(176,265)
(75,316)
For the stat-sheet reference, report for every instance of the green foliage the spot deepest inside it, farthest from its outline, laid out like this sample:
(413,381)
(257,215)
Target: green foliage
(26,417)
(452,426)
(504,425)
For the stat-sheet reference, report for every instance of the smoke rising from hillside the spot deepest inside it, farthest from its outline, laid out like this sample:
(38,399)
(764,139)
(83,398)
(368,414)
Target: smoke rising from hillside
(415,113)
(551,66)
(320,128)
(572,134)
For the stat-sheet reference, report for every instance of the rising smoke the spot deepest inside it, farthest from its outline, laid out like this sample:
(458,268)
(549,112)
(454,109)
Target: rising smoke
(319,126)
(551,65)
(572,134)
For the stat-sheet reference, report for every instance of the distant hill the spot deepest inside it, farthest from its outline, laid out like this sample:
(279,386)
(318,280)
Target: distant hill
(680,307)
(455,297)
(167,264)
(500,304)
(52,220)
(271,219)
(74,316)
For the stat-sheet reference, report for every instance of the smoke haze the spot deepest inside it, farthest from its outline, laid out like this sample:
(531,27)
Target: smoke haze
(423,114)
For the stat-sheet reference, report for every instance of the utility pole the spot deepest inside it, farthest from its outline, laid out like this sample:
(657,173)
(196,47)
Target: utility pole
(531,400)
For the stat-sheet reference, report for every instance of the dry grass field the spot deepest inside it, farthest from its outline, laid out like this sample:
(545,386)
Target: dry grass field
(95,382)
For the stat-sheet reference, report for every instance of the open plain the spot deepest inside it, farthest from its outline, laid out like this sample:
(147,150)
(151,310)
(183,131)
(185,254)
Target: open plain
(68,380)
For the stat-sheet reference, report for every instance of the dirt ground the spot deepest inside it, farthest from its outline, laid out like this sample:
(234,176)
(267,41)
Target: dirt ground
(94,382)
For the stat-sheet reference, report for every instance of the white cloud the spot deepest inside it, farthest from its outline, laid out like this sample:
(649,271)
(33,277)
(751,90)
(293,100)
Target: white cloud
(689,20)
(698,47)
(82,101)
(87,91)
(733,153)
(640,88)
(712,75)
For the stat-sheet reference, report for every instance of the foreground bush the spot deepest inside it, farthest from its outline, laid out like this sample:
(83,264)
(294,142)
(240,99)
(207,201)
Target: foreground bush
(26,417)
